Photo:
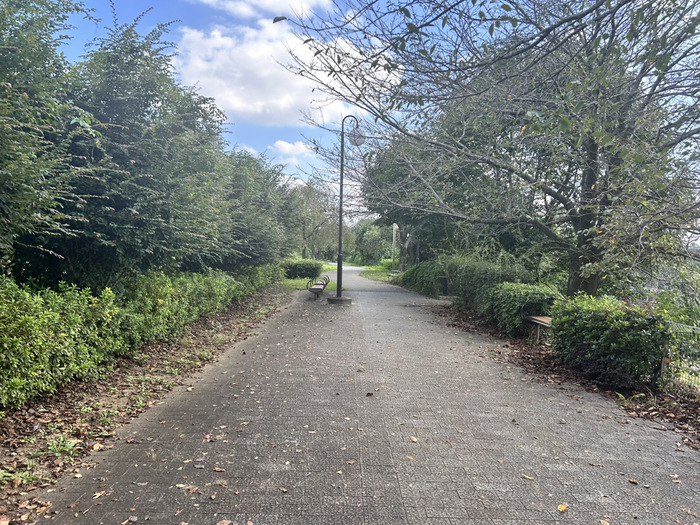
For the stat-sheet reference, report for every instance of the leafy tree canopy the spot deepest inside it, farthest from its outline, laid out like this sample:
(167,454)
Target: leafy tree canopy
(577,120)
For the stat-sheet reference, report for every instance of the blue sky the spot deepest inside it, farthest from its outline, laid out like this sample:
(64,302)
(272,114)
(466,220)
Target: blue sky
(229,50)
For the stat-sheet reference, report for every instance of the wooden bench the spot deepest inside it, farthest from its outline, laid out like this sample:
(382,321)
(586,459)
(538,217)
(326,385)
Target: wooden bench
(316,287)
(539,321)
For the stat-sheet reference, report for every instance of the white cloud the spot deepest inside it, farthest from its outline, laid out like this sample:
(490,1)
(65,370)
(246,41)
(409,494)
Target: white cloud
(240,67)
(248,9)
(287,148)
(248,149)
(292,154)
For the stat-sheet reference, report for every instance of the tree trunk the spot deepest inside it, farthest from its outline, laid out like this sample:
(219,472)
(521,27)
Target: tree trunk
(578,283)
(585,224)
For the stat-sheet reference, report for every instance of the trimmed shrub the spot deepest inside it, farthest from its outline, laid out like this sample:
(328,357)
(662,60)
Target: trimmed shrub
(49,338)
(608,341)
(471,279)
(510,303)
(158,306)
(302,269)
(257,277)
(423,278)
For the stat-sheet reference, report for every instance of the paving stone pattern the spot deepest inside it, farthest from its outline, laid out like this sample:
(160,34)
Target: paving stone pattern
(377,413)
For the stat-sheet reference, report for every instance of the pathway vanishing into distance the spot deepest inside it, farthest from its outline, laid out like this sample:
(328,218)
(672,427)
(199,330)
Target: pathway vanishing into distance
(377,413)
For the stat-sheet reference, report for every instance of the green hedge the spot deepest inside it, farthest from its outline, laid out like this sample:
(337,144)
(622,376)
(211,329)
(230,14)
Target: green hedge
(48,339)
(510,303)
(302,269)
(606,340)
(423,278)
(471,279)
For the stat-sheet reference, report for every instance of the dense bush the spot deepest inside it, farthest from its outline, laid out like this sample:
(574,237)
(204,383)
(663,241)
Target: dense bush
(471,278)
(157,306)
(510,303)
(423,278)
(302,269)
(606,340)
(49,338)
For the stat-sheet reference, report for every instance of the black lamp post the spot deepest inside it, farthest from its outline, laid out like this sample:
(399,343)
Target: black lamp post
(356,139)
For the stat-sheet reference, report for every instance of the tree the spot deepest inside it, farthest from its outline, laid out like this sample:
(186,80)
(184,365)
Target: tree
(319,219)
(157,141)
(372,242)
(36,122)
(578,120)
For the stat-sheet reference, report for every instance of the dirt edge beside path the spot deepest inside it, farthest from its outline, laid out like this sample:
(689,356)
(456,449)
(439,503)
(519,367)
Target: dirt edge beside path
(53,436)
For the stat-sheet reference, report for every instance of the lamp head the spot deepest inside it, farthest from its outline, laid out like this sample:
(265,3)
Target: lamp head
(356,137)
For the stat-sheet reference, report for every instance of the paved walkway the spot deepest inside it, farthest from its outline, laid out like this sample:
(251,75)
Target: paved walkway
(376,413)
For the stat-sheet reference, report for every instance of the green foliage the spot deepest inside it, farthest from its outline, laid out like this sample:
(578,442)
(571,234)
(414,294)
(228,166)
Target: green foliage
(471,278)
(424,278)
(585,142)
(372,242)
(158,306)
(379,272)
(679,296)
(608,341)
(312,212)
(511,303)
(302,269)
(256,277)
(110,168)
(36,121)
(50,338)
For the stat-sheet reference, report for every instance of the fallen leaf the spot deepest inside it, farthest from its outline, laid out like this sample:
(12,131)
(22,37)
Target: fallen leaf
(634,481)
(225,522)
(414,439)
(5,520)
(562,508)
(604,522)
(529,478)
(283,490)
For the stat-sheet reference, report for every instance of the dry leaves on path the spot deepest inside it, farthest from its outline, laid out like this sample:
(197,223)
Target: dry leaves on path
(51,437)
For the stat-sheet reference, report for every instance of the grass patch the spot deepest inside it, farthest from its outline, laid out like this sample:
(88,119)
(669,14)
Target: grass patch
(295,284)
(376,273)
